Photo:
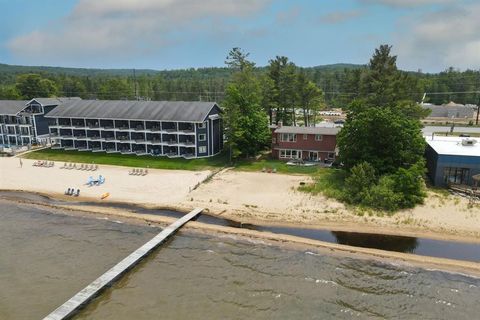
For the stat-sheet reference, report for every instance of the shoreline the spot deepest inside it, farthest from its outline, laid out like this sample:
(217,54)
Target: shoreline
(325,226)
(412,260)
(249,198)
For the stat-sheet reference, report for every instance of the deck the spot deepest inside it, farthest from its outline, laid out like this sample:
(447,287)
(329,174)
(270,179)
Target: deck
(79,300)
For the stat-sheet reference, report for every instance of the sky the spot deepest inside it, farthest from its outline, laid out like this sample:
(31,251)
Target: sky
(430,35)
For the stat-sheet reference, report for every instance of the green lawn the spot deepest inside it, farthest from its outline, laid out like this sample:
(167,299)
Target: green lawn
(128,160)
(166,163)
(280,166)
(457,134)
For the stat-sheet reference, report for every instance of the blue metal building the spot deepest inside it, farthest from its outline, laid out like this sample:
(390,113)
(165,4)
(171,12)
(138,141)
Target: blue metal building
(452,160)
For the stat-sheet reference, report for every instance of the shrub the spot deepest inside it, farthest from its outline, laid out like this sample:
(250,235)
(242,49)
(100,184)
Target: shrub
(402,189)
(410,185)
(359,182)
(382,195)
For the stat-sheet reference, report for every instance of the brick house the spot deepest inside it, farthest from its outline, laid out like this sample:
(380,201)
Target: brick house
(306,143)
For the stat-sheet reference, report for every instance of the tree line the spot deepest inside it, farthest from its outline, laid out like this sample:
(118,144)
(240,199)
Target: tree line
(341,84)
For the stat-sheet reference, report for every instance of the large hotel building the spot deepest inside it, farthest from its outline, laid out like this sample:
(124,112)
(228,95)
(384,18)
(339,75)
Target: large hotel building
(159,128)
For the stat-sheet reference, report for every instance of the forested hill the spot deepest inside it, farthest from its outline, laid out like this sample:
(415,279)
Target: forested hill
(340,83)
(8,71)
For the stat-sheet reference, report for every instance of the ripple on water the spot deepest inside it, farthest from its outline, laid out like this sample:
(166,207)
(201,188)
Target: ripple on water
(207,277)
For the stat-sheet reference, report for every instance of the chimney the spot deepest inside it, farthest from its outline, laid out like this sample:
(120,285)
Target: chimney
(280,123)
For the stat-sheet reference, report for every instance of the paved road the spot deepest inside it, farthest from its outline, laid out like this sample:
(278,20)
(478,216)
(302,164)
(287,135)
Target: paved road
(429,129)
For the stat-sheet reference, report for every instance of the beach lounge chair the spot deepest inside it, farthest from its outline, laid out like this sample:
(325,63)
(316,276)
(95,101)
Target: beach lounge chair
(77,193)
(64,166)
(140,172)
(67,192)
(145,172)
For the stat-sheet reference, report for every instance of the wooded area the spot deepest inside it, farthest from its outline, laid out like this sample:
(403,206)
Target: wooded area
(340,83)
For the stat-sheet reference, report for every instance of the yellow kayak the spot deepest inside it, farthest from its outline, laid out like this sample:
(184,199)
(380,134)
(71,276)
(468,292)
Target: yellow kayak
(105,195)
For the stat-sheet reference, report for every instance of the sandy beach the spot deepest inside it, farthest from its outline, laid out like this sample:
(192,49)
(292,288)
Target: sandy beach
(159,187)
(248,197)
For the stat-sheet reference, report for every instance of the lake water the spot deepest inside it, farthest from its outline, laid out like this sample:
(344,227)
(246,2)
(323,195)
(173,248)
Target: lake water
(46,258)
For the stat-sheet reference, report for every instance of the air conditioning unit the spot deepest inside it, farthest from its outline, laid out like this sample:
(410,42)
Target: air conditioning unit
(468,142)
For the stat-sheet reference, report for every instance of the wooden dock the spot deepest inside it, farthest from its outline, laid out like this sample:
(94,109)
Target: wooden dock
(79,300)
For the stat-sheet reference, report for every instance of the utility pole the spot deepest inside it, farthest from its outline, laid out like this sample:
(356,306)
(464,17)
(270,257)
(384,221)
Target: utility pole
(478,109)
(478,112)
(135,84)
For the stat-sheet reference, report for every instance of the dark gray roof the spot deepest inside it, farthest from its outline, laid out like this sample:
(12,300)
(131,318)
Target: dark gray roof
(308,130)
(194,111)
(449,110)
(54,101)
(12,107)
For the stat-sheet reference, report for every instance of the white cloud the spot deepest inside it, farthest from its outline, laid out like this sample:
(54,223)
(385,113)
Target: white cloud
(288,16)
(448,37)
(407,3)
(340,16)
(118,28)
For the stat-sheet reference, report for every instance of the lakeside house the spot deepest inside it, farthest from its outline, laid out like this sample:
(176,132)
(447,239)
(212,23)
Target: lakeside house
(23,123)
(315,144)
(452,160)
(188,129)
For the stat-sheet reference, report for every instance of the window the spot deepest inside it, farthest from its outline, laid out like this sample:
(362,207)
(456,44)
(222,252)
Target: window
(202,137)
(456,175)
(305,137)
(318,137)
(331,155)
(202,125)
(288,137)
(290,154)
(202,149)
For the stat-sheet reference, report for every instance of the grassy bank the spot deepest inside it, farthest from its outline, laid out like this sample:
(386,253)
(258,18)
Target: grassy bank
(166,163)
(329,182)
(128,160)
(279,166)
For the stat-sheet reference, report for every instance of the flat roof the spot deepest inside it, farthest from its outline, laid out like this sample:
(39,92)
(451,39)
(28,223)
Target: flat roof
(308,130)
(188,111)
(12,107)
(453,146)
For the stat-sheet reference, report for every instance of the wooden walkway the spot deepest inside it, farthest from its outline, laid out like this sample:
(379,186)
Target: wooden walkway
(93,289)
